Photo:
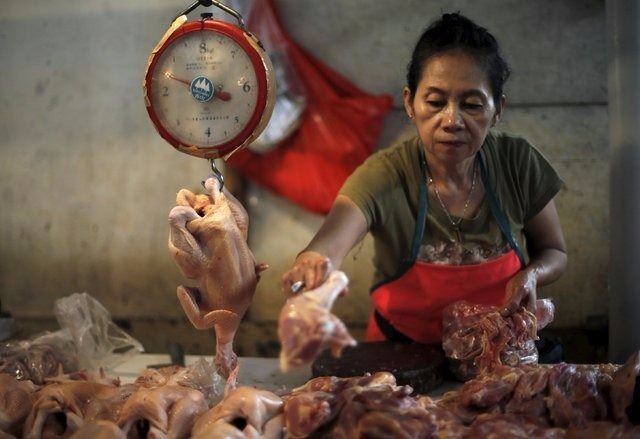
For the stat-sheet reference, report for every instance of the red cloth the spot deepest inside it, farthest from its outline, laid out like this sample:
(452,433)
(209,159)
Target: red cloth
(340,127)
(413,303)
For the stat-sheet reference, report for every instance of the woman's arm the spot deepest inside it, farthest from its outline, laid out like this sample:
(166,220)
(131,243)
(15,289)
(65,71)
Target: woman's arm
(548,253)
(344,227)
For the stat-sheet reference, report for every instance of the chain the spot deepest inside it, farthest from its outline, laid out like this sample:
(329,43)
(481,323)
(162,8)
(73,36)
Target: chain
(466,204)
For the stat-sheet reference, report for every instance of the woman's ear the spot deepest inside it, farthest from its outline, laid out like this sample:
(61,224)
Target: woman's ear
(407,99)
(499,109)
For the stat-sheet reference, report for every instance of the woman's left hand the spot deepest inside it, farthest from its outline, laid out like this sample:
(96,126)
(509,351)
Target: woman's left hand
(520,291)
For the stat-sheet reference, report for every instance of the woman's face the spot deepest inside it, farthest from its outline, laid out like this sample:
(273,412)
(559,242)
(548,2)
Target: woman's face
(453,107)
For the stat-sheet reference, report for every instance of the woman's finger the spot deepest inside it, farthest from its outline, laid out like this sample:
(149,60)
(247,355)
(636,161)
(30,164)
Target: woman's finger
(321,272)
(512,304)
(509,309)
(289,279)
(310,279)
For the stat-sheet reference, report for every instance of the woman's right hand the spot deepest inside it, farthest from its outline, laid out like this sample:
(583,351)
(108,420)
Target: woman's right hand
(310,267)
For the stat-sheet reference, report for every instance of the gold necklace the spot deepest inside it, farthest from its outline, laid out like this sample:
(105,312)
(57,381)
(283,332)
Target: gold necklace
(455,224)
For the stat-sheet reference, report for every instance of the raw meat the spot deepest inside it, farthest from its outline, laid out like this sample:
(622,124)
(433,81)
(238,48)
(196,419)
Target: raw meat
(306,325)
(208,241)
(16,400)
(369,406)
(166,411)
(60,408)
(246,412)
(33,361)
(99,430)
(622,387)
(477,338)
(567,396)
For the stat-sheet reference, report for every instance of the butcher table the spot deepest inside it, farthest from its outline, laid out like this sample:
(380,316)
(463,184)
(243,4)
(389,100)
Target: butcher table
(263,373)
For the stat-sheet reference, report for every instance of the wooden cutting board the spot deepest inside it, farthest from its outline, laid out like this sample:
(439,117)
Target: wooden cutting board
(420,366)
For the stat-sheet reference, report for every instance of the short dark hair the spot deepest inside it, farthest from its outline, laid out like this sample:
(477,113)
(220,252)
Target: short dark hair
(456,32)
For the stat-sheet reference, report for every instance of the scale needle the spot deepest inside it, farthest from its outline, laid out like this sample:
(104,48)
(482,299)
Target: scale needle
(170,75)
(222,95)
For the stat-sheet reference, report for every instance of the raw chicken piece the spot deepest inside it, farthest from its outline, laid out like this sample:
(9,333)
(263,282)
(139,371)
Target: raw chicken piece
(497,425)
(162,376)
(99,430)
(167,411)
(208,241)
(83,375)
(358,407)
(307,411)
(108,406)
(317,402)
(382,411)
(622,387)
(60,408)
(335,385)
(16,400)
(306,325)
(246,412)
(477,338)
(34,361)
(565,396)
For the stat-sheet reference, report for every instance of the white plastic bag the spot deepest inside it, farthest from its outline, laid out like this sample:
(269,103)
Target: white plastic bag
(99,342)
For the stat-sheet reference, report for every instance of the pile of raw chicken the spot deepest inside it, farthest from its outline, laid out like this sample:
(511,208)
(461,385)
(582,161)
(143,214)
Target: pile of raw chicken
(560,401)
(506,393)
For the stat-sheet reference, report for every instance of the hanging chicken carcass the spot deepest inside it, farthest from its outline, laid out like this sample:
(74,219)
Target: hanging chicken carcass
(208,241)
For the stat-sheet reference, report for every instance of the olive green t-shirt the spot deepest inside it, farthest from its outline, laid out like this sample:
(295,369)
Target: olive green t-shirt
(386,188)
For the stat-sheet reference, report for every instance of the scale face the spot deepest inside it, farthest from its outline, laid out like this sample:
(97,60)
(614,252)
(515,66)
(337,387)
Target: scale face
(209,87)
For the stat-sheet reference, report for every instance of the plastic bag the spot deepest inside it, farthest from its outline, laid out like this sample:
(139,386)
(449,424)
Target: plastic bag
(98,342)
(202,376)
(477,338)
(338,130)
(291,95)
(40,358)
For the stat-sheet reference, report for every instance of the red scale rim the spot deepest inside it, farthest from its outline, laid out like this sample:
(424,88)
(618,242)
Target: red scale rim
(238,35)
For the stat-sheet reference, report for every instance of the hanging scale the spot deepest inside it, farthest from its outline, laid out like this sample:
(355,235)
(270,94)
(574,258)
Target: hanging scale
(209,87)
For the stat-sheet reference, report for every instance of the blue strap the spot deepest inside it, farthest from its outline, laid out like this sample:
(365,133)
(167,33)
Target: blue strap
(408,261)
(497,211)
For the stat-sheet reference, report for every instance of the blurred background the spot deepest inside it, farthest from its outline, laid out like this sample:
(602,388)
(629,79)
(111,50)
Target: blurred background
(86,183)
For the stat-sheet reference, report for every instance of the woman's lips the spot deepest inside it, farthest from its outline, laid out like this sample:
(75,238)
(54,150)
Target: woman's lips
(452,143)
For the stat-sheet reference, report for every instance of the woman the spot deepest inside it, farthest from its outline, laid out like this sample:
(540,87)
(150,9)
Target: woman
(460,212)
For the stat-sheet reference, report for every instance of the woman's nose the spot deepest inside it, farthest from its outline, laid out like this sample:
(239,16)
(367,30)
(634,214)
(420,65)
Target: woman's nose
(452,119)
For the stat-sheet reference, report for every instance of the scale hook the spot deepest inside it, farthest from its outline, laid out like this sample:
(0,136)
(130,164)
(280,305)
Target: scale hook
(216,173)
(208,3)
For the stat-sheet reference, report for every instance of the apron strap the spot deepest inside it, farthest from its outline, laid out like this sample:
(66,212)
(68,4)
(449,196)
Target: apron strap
(408,261)
(389,331)
(497,211)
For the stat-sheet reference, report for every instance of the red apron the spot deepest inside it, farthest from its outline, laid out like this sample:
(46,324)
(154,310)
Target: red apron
(409,306)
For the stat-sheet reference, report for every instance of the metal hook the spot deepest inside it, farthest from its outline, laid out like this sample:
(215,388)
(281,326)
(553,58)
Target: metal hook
(216,173)
(208,3)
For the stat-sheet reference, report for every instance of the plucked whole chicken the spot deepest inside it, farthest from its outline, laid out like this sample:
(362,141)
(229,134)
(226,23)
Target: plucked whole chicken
(208,241)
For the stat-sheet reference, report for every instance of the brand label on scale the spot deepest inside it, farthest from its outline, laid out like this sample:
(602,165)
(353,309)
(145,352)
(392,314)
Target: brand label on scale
(201,88)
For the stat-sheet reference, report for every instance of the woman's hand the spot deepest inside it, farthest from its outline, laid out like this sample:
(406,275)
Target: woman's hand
(521,291)
(344,226)
(311,268)
(548,260)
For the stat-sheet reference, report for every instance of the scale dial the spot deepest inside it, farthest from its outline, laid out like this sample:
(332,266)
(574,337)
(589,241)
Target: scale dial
(209,88)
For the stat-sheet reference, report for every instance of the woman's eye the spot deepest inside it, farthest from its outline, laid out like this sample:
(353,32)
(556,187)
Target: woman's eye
(436,104)
(472,106)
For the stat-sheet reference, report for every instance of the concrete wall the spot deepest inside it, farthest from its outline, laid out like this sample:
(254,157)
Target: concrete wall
(86,183)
